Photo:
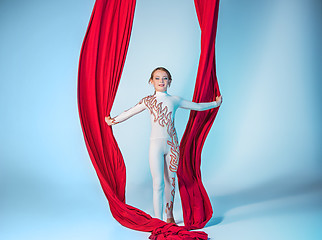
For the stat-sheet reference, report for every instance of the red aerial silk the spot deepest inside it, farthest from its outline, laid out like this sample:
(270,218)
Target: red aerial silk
(101,63)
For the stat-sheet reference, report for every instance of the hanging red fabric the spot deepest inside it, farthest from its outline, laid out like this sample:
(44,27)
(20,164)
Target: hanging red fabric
(196,205)
(101,63)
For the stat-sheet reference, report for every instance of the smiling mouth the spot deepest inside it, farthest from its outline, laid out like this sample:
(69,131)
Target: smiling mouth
(161,85)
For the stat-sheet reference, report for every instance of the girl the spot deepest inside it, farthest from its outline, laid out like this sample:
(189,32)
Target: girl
(164,146)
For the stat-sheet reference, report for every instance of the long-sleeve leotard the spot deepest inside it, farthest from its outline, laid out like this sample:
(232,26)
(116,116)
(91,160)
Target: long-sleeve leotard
(197,106)
(163,143)
(162,108)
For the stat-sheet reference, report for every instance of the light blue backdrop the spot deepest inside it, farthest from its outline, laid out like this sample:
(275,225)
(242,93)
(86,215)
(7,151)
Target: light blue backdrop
(261,162)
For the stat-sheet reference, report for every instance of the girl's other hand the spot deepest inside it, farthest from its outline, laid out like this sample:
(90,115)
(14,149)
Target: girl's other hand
(109,120)
(219,100)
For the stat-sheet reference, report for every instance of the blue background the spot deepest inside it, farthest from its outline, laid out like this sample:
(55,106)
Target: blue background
(261,162)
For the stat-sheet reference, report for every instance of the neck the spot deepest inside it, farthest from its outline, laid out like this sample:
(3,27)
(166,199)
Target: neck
(160,93)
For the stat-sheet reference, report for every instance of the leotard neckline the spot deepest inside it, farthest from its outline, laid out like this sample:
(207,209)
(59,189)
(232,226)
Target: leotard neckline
(160,93)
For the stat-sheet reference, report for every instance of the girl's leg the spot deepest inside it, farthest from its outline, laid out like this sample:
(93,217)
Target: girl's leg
(169,190)
(156,159)
(170,172)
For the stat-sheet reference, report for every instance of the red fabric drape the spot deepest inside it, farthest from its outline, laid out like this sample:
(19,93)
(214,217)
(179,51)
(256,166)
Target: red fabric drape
(196,205)
(101,63)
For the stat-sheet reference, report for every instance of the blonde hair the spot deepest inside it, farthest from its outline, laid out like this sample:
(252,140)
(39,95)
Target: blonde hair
(162,69)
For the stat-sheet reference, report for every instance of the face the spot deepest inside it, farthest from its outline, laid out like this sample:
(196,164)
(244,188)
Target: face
(160,81)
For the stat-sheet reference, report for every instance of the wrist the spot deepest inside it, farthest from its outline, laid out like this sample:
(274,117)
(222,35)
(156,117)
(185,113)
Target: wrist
(113,121)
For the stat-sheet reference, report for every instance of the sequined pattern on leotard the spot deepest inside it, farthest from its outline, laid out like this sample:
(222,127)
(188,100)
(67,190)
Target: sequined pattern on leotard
(163,117)
(169,206)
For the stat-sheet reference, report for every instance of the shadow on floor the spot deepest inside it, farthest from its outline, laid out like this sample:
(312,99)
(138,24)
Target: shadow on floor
(286,186)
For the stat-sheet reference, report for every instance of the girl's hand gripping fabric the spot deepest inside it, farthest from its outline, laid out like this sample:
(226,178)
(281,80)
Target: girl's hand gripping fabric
(219,100)
(110,121)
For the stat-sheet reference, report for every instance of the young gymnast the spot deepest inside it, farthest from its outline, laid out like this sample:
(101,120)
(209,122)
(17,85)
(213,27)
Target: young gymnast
(164,146)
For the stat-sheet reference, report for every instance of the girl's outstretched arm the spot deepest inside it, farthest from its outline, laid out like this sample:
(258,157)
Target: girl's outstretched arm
(200,106)
(139,107)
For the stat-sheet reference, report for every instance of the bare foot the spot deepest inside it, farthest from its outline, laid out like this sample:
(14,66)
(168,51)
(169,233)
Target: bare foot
(170,220)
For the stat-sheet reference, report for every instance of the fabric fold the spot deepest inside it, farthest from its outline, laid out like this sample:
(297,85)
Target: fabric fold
(174,232)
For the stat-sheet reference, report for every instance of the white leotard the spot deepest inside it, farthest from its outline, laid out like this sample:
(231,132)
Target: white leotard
(164,146)
(162,108)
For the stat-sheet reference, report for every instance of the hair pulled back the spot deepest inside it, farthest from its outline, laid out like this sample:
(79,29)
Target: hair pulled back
(162,69)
